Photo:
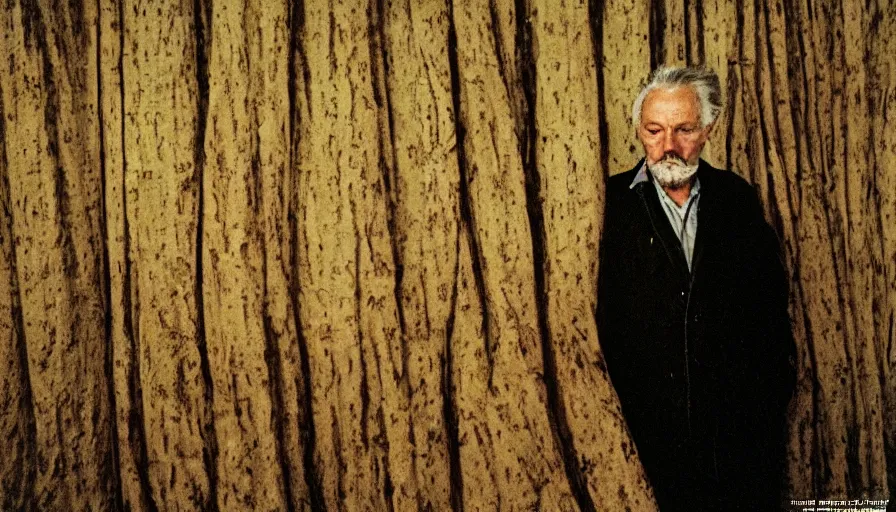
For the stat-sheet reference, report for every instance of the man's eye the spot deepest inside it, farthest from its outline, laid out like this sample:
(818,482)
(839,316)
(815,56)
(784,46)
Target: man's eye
(653,132)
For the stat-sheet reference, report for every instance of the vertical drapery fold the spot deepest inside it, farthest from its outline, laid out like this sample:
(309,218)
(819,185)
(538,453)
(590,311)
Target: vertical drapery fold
(54,292)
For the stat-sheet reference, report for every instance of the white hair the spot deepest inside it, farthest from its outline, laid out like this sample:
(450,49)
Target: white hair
(704,81)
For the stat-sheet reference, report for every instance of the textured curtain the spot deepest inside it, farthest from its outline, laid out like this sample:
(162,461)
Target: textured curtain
(342,255)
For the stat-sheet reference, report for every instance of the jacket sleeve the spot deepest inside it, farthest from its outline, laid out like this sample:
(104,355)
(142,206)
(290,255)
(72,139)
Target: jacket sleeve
(778,348)
(604,285)
(608,287)
(775,350)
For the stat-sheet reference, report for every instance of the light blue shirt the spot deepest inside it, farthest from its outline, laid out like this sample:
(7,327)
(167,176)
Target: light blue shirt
(682,218)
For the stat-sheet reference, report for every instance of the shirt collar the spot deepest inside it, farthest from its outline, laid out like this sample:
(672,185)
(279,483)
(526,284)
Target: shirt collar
(641,177)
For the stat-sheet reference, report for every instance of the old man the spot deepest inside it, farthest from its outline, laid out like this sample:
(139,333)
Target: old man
(692,310)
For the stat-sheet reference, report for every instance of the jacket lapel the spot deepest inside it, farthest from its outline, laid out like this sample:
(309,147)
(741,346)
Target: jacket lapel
(706,214)
(662,229)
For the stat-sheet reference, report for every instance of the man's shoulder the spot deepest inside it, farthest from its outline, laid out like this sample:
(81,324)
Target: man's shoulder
(722,177)
(619,184)
(734,200)
(724,183)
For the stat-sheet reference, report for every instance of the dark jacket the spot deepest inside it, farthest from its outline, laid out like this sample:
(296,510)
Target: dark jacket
(702,360)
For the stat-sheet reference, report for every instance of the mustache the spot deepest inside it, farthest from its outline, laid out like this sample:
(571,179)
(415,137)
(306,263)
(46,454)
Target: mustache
(672,157)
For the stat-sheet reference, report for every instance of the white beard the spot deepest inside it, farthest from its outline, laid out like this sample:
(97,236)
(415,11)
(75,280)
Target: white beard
(672,172)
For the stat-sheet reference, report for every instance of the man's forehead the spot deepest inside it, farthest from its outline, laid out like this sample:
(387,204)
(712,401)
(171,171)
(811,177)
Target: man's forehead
(678,102)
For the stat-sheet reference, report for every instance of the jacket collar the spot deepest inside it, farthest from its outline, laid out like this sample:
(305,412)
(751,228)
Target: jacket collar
(663,230)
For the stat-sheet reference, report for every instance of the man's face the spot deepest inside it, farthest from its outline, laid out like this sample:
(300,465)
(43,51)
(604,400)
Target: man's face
(670,126)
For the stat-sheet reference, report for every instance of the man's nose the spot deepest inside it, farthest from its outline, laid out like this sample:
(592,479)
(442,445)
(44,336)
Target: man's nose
(668,142)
